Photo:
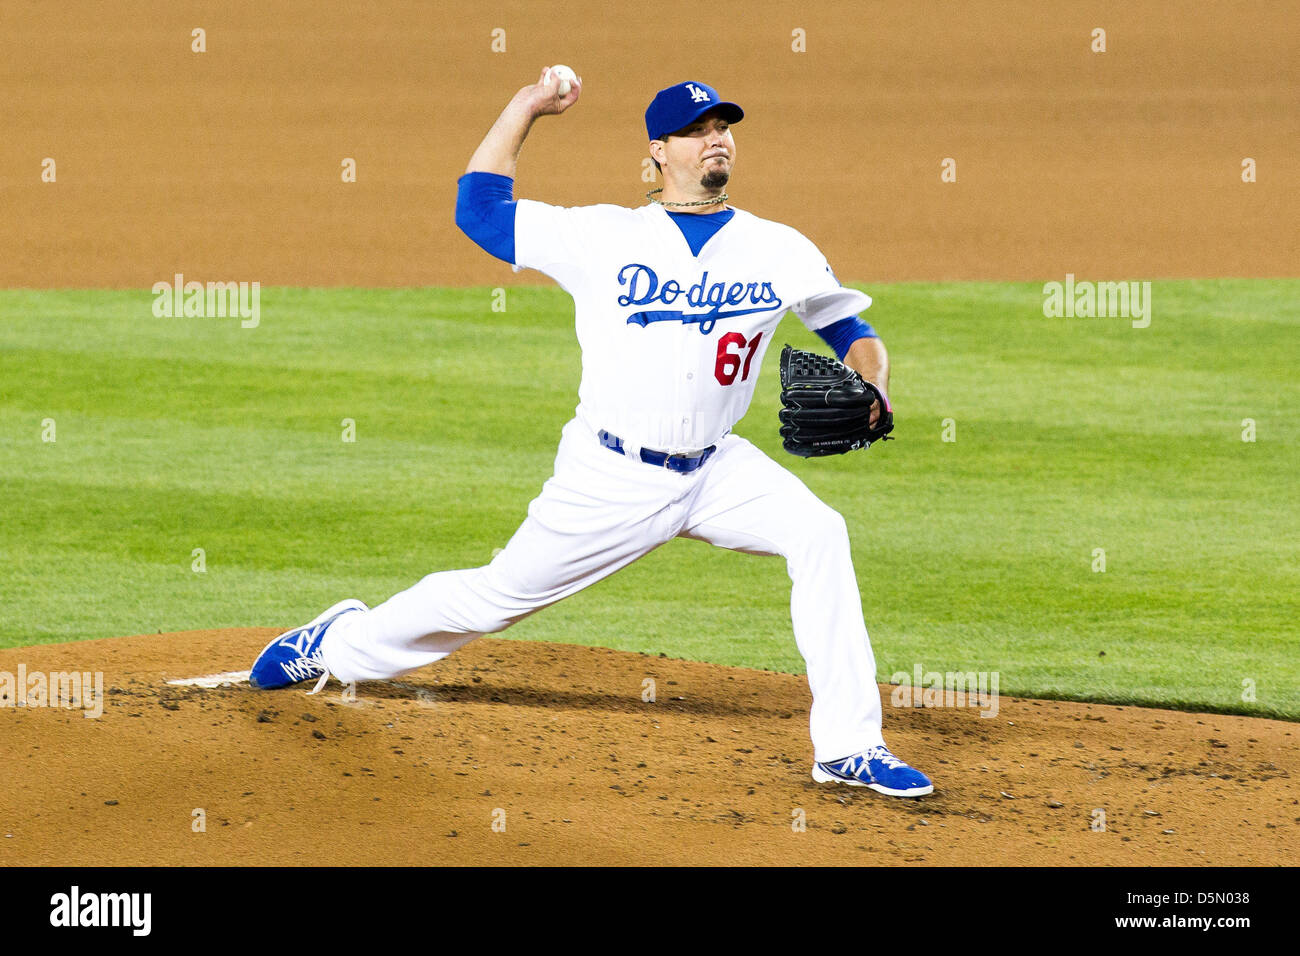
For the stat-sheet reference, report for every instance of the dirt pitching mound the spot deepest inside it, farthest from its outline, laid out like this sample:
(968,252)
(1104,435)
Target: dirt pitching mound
(514,752)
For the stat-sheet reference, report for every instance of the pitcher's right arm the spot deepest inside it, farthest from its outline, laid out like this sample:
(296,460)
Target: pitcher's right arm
(485,205)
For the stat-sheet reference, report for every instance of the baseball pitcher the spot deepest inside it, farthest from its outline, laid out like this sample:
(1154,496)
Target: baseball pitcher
(675,303)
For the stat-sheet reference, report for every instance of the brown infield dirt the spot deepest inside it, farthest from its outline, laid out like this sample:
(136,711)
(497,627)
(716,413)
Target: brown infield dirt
(225,166)
(555,743)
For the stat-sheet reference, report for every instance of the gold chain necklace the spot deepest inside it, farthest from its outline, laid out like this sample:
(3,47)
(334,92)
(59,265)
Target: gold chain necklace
(699,202)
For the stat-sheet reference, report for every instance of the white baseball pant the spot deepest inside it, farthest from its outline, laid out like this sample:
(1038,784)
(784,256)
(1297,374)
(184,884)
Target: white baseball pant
(601,511)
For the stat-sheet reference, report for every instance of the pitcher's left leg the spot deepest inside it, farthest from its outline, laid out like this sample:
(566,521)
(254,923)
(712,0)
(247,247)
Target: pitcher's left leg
(747,502)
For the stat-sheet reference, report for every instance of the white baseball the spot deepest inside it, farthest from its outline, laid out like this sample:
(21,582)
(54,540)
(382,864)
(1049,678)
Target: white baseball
(565,75)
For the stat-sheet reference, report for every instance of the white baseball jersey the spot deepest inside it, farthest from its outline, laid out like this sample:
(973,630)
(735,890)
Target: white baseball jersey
(672,342)
(671,347)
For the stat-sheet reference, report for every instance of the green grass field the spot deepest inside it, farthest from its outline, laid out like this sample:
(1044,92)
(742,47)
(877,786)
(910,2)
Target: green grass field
(976,554)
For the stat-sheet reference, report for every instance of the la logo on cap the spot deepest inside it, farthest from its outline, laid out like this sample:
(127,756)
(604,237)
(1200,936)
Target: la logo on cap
(697,95)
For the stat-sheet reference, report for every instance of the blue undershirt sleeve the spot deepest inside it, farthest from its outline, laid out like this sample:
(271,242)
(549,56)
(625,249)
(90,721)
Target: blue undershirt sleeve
(842,334)
(485,211)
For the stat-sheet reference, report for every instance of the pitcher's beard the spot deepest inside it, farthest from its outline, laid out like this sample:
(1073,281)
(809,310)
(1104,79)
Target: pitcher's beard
(715,179)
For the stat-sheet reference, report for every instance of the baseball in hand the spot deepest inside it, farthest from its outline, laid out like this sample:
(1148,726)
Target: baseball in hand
(565,75)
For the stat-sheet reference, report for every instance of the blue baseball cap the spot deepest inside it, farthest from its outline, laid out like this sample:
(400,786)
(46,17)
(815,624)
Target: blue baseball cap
(683,104)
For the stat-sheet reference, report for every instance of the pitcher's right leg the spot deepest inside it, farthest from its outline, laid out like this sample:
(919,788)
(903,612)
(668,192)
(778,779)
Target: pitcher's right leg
(598,513)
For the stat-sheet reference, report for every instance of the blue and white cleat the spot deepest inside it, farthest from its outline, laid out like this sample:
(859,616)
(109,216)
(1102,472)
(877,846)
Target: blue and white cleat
(295,655)
(878,769)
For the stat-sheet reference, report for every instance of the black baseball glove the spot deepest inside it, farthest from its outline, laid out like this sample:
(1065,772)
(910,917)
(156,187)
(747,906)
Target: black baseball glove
(828,406)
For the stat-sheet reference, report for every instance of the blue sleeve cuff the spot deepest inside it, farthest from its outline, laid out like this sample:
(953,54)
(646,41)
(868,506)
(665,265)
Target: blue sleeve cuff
(485,211)
(842,334)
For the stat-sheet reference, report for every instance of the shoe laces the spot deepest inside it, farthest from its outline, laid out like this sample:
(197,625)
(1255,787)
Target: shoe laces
(320,684)
(301,667)
(349,689)
(884,756)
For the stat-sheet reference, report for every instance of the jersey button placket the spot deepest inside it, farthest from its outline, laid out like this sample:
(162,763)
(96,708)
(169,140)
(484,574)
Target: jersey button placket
(681,392)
